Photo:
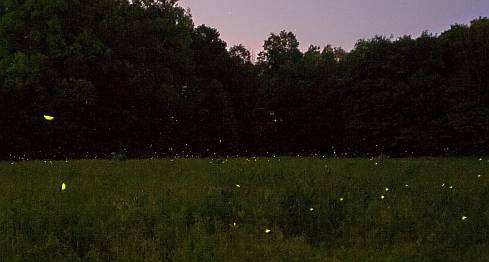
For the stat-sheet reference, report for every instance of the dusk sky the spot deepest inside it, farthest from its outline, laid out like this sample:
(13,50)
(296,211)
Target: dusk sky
(335,22)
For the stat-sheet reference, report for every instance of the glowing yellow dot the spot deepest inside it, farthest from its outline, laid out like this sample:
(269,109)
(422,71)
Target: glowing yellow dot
(386,189)
(268,230)
(382,197)
(238,185)
(311,209)
(63,187)
(464,217)
(341,199)
(48,118)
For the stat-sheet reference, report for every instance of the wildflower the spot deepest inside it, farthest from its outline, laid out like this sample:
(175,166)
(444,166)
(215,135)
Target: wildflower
(63,187)
(48,118)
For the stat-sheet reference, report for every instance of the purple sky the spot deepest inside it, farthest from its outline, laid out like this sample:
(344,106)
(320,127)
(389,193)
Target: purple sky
(335,22)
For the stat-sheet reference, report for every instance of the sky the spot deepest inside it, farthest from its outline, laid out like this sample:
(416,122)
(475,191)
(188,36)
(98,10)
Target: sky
(336,22)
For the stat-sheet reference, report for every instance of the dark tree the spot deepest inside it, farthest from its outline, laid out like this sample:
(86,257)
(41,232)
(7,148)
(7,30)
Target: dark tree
(137,77)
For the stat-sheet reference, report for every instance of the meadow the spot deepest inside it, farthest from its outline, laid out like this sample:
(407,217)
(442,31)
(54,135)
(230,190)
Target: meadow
(245,209)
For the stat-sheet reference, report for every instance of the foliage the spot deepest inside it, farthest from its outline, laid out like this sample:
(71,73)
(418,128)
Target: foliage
(138,77)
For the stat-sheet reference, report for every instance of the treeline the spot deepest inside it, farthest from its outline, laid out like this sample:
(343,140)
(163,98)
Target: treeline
(139,78)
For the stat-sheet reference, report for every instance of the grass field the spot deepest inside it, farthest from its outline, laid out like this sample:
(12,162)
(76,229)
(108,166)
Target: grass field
(238,209)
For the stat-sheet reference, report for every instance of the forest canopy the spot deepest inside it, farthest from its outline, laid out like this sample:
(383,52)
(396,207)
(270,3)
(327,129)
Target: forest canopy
(138,77)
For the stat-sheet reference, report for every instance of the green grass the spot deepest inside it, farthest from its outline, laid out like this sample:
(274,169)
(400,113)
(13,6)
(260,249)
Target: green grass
(185,210)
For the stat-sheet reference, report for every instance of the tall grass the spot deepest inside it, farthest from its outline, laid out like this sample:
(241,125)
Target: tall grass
(218,210)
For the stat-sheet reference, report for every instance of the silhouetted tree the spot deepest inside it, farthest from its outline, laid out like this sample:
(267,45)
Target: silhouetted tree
(137,77)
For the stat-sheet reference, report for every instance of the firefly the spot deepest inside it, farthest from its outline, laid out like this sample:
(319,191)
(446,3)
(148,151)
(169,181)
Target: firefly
(341,199)
(63,187)
(382,197)
(464,217)
(386,189)
(49,118)
(311,209)
(238,185)
(268,230)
